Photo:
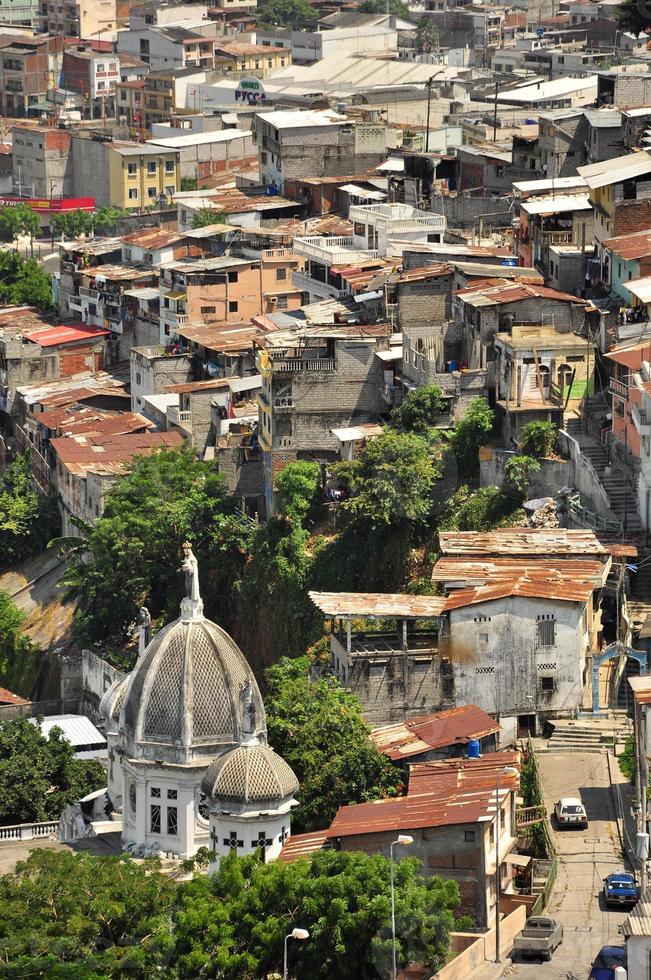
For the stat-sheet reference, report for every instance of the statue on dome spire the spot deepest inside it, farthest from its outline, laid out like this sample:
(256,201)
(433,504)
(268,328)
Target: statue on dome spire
(192,605)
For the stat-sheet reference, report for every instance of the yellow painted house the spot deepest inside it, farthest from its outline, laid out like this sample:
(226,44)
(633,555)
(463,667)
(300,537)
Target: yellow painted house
(257,58)
(141,176)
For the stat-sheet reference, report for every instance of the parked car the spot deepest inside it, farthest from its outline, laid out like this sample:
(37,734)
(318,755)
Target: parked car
(606,962)
(570,812)
(620,888)
(540,937)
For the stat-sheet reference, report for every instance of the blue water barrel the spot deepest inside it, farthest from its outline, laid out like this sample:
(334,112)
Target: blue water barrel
(474,751)
(453,366)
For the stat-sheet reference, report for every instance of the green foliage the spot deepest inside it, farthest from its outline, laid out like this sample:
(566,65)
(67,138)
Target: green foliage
(19,658)
(427,34)
(298,488)
(93,918)
(84,917)
(23,281)
(106,220)
(419,410)
(285,13)
(206,216)
(319,730)
(539,439)
(133,550)
(470,434)
(627,760)
(633,16)
(27,519)
(540,843)
(72,224)
(18,221)
(518,471)
(392,480)
(40,776)
(395,7)
(479,510)
(188,183)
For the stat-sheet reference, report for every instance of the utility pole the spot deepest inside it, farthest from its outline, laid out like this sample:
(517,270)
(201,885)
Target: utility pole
(429,103)
(495,113)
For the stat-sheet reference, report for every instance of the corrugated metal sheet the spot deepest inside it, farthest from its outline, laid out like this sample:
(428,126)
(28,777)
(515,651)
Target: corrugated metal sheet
(353,432)
(640,288)
(374,604)
(434,731)
(521,541)
(480,571)
(613,171)
(54,336)
(77,729)
(565,591)
(451,775)
(634,246)
(303,845)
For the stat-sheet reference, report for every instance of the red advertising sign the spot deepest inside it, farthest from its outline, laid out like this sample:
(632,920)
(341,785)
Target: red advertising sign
(42,204)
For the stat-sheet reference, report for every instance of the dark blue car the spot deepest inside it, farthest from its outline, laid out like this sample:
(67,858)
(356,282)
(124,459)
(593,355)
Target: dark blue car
(606,962)
(620,889)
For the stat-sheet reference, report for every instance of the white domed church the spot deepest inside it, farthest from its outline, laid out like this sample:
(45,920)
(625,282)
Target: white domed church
(189,764)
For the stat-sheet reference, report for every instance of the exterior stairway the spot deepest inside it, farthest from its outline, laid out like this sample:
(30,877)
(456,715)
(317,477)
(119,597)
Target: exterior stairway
(589,734)
(623,501)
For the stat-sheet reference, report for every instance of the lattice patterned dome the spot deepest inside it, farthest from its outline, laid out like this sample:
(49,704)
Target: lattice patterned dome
(111,704)
(191,695)
(252,773)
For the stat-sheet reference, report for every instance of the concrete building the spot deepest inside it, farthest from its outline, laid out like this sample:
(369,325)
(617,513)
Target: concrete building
(256,58)
(29,67)
(125,175)
(318,142)
(627,257)
(376,226)
(314,380)
(206,410)
(94,75)
(307,47)
(77,18)
(190,45)
(129,105)
(203,155)
(636,930)
(154,370)
(41,162)
(556,220)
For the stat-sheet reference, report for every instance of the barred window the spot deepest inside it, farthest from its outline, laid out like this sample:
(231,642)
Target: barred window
(154,821)
(546,631)
(172,821)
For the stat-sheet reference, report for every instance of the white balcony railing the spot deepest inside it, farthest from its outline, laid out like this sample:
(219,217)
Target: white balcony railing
(396,217)
(333,251)
(317,288)
(641,420)
(172,318)
(177,417)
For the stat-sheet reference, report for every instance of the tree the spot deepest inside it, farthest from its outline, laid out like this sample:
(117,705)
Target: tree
(72,224)
(395,7)
(19,658)
(23,281)
(538,439)
(633,16)
(298,487)
(106,220)
(285,13)
(427,34)
(479,510)
(419,410)
(205,217)
(393,478)
(319,730)
(39,776)
(85,917)
(132,553)
(469,434)
(18,221)
(188,183)
(518,471)
(27,519)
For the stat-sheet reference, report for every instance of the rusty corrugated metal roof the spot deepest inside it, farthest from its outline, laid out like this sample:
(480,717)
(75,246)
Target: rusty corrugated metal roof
(521,541)
(481,571)
(378,604)
(433,731)
(303,845)
(565,591)
(451,775)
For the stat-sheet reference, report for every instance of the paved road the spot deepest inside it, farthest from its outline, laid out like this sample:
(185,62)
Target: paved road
(584,859)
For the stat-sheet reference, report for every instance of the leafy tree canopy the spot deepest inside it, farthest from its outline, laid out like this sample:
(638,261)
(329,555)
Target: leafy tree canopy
(395,7)
(298,486)
(319,730)
(479,510)
(21,220)
(427,34)
(19,658)
(393,478)
(538,439)
(24,281)
(90,918)
(469,434)
(285,13)
(518,471)
(72,224)
(206,216)
(27,519)
(633,16)
(39,776)
(419,410)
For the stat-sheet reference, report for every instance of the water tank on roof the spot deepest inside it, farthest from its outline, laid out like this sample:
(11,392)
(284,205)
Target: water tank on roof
(474,750)
(272,190)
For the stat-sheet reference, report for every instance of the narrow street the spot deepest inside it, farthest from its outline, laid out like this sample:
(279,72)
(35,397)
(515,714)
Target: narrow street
(584,859)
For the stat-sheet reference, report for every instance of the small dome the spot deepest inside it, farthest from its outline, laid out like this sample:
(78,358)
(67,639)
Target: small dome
(191,695)
(251,773)
(111,704)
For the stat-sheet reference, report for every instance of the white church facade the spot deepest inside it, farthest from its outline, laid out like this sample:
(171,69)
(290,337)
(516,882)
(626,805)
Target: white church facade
(189,764)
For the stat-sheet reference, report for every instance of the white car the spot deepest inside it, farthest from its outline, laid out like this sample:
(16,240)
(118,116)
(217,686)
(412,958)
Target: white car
(570,812)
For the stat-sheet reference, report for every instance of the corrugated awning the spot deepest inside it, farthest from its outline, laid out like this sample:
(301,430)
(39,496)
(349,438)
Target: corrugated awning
(357,191)
(518,860)
(394,354)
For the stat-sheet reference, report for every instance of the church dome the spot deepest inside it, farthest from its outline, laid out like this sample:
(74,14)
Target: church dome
(191,695)
(111,704)
(251,773)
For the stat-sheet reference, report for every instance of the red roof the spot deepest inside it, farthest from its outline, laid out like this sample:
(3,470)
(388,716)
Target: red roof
(65,334)
(110,453)
(452,775)
(8,697)
(303,845)
(433,731)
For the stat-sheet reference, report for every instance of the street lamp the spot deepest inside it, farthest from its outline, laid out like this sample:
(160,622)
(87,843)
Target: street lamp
(505,771)
(294,934)
(405,840)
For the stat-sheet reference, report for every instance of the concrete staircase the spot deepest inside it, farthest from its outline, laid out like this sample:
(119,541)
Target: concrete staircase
(589,733)
(623,501)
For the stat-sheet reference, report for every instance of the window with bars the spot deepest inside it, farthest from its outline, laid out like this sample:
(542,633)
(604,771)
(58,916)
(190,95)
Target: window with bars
(546,631)
(154,818)
(172,820)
